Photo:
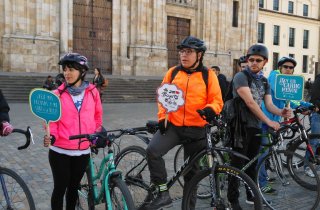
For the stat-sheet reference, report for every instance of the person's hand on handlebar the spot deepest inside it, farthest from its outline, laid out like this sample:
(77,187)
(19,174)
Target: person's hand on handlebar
(5,128)
(273,124)
(209,114)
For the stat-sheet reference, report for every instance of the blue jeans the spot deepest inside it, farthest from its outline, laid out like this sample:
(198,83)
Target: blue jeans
(263,172)
(315,129)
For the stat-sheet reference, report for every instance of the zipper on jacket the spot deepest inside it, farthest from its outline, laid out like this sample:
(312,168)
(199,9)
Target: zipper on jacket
(185,100)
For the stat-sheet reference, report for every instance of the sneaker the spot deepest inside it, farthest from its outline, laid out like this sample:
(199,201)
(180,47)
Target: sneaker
(271,180)
(268,190)
(163,200)
(309,172)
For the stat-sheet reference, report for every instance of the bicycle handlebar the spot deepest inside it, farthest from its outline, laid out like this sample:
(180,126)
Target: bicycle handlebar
(214,121)
(28,135)
(111,134)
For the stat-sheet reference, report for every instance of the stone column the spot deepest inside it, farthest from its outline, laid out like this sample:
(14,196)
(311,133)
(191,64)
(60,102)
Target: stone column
(64,5)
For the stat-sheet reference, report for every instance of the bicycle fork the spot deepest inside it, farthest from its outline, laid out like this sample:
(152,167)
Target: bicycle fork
(5,191)
(279,168)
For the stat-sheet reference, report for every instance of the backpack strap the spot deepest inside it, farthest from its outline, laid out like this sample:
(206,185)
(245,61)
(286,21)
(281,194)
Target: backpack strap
(264,80)
(204,71)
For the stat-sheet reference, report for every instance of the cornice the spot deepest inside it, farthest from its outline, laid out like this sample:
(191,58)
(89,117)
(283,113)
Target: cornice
(297,17)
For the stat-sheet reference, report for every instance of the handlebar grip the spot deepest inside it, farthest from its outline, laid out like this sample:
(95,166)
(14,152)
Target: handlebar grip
(77,136)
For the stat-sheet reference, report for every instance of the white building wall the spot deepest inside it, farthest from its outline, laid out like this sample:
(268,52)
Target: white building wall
(296,20)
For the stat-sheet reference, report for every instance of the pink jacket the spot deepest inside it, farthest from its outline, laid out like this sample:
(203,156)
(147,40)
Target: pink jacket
(72,122)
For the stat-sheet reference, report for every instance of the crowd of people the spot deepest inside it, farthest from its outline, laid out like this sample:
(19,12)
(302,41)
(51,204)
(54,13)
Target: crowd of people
(82,113)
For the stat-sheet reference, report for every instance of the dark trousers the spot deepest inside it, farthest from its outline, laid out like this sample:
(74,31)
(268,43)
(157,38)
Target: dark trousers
(193,139)
(67,173)
(251,144)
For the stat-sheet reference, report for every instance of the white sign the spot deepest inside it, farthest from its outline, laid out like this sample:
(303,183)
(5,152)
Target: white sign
(170,97)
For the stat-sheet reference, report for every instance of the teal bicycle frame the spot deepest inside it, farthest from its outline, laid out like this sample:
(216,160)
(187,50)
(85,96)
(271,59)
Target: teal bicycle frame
(107,169)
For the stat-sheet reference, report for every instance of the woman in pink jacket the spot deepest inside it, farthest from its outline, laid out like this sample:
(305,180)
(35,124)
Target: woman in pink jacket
(81,113)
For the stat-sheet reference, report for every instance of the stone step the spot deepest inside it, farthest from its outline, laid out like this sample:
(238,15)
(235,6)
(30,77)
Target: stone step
(16,88)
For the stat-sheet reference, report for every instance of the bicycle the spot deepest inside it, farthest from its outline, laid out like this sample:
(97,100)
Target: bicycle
(290,180)
(217,199)
(220,134)
(105,185)
(14,192)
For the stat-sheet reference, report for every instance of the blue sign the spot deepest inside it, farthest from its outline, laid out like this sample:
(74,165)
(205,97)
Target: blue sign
(45,105)
(289,87)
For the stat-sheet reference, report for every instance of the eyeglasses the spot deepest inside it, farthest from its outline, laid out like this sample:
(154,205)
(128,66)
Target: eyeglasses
(288,67)
(186,51)
(251,60)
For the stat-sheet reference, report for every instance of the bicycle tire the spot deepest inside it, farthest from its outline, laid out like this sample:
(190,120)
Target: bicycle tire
(124,201)
(297,171)
(85,192)
(132,162)
(223,173)
(179,160)
(18,191)
(290,184)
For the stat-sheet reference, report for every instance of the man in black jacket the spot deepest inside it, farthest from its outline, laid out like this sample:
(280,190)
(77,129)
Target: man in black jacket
(315,118)
(224,84)
(5,127)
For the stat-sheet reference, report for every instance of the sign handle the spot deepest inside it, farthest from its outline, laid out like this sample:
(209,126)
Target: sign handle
(166,121)
(47,129)
(287,106)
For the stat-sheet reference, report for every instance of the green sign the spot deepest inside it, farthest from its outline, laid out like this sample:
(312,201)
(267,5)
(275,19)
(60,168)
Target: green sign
(289,87)
(45,105)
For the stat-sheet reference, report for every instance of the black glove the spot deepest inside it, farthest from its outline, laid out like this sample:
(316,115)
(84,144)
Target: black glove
(162,127)
(100,142)
(209,114)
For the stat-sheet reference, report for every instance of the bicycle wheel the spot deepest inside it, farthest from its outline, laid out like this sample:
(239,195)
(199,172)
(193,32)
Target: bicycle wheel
(14,193)
(132,162)
(120,195)
(299,174)
(179,160)
(222,175)
(85,193)
(290,188)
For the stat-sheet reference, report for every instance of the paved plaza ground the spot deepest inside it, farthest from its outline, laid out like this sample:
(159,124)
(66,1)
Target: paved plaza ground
(32,163)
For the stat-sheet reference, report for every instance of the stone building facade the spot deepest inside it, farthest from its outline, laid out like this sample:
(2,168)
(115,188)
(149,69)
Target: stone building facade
(123,37)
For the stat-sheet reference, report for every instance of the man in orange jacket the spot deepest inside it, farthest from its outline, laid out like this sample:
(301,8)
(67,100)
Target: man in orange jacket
(185,126)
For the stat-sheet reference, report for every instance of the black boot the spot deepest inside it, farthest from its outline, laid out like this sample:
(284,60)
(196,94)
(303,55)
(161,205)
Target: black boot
(162,200)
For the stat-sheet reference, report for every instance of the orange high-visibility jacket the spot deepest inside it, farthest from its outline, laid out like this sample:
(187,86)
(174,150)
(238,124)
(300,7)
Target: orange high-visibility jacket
(196,97)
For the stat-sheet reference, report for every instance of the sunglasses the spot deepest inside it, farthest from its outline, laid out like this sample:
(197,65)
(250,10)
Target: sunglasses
(255,60)
(288,67)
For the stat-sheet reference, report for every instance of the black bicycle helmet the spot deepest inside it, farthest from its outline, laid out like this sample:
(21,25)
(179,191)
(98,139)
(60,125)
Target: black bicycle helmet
(76,58)
(287,59)
(242,59)
(193,43)
(258,49)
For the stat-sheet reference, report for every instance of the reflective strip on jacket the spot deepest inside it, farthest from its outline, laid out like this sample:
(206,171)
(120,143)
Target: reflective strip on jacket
(196,97)
(72,122)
